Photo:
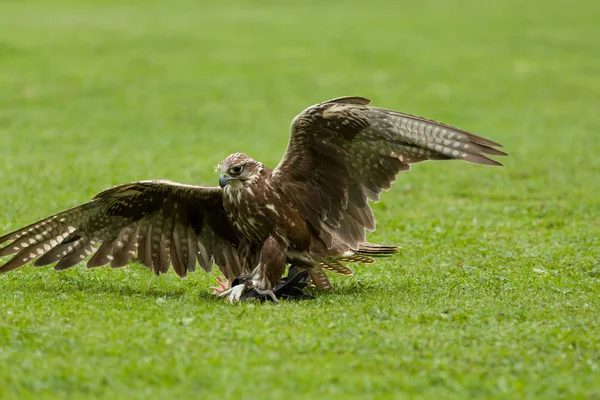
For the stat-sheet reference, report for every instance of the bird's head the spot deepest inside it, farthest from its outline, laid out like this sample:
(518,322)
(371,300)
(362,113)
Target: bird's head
(238,170)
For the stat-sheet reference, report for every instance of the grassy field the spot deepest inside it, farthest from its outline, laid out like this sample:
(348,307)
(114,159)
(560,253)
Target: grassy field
(496,292)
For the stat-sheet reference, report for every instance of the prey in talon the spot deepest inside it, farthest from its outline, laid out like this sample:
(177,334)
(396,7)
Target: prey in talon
(312,211)
(289,288)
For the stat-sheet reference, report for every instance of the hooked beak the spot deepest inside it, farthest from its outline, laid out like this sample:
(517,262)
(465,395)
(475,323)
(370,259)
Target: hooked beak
(224,181)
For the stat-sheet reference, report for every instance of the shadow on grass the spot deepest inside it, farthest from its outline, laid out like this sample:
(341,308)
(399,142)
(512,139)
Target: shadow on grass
(77,283)
(351,288)
(140,283)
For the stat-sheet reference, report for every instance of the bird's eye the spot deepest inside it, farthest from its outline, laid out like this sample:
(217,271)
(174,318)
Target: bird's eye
(237,169)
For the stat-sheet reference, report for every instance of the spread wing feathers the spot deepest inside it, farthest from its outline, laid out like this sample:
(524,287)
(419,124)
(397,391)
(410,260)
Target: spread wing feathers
(164,223)
(343,153)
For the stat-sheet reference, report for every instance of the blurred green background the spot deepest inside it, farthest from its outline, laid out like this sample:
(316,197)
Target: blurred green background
(496,291)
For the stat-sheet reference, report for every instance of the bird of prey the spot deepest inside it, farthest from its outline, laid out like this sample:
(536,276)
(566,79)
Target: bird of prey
(312,211)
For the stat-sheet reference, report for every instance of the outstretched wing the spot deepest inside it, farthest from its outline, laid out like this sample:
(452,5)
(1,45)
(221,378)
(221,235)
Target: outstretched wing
(343,153)
(165,223)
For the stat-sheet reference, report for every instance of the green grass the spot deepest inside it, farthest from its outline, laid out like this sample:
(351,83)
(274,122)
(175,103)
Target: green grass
(496,293)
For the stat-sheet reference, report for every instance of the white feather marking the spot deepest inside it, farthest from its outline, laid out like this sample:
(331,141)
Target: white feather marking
(272,208)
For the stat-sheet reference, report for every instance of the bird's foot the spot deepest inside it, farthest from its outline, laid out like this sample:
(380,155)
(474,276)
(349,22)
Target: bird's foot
(288,288)
(261,295)
(223,286)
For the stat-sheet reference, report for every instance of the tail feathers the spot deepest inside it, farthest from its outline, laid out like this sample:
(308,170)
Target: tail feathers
(337,267)
(376,250)
(319,278)
(357,258)
(363,255)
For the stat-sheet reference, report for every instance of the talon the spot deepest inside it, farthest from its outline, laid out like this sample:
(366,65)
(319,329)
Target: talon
(268,293)
(223,286)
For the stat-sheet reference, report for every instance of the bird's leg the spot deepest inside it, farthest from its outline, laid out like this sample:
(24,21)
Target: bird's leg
(267,273)
(272,263)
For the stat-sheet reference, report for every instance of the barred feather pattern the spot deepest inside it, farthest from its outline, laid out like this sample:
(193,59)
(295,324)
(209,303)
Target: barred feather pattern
(319,279)
(346,153)
(342,154)
(364,255)
(337,267)
(167,224)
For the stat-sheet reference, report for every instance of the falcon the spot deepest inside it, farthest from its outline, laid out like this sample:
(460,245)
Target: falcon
(311,212)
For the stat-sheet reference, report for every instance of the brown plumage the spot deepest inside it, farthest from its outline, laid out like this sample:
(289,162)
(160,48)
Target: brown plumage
(312,210)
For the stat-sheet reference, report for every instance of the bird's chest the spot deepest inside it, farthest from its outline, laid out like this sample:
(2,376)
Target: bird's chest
(260,212)
(245,210)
